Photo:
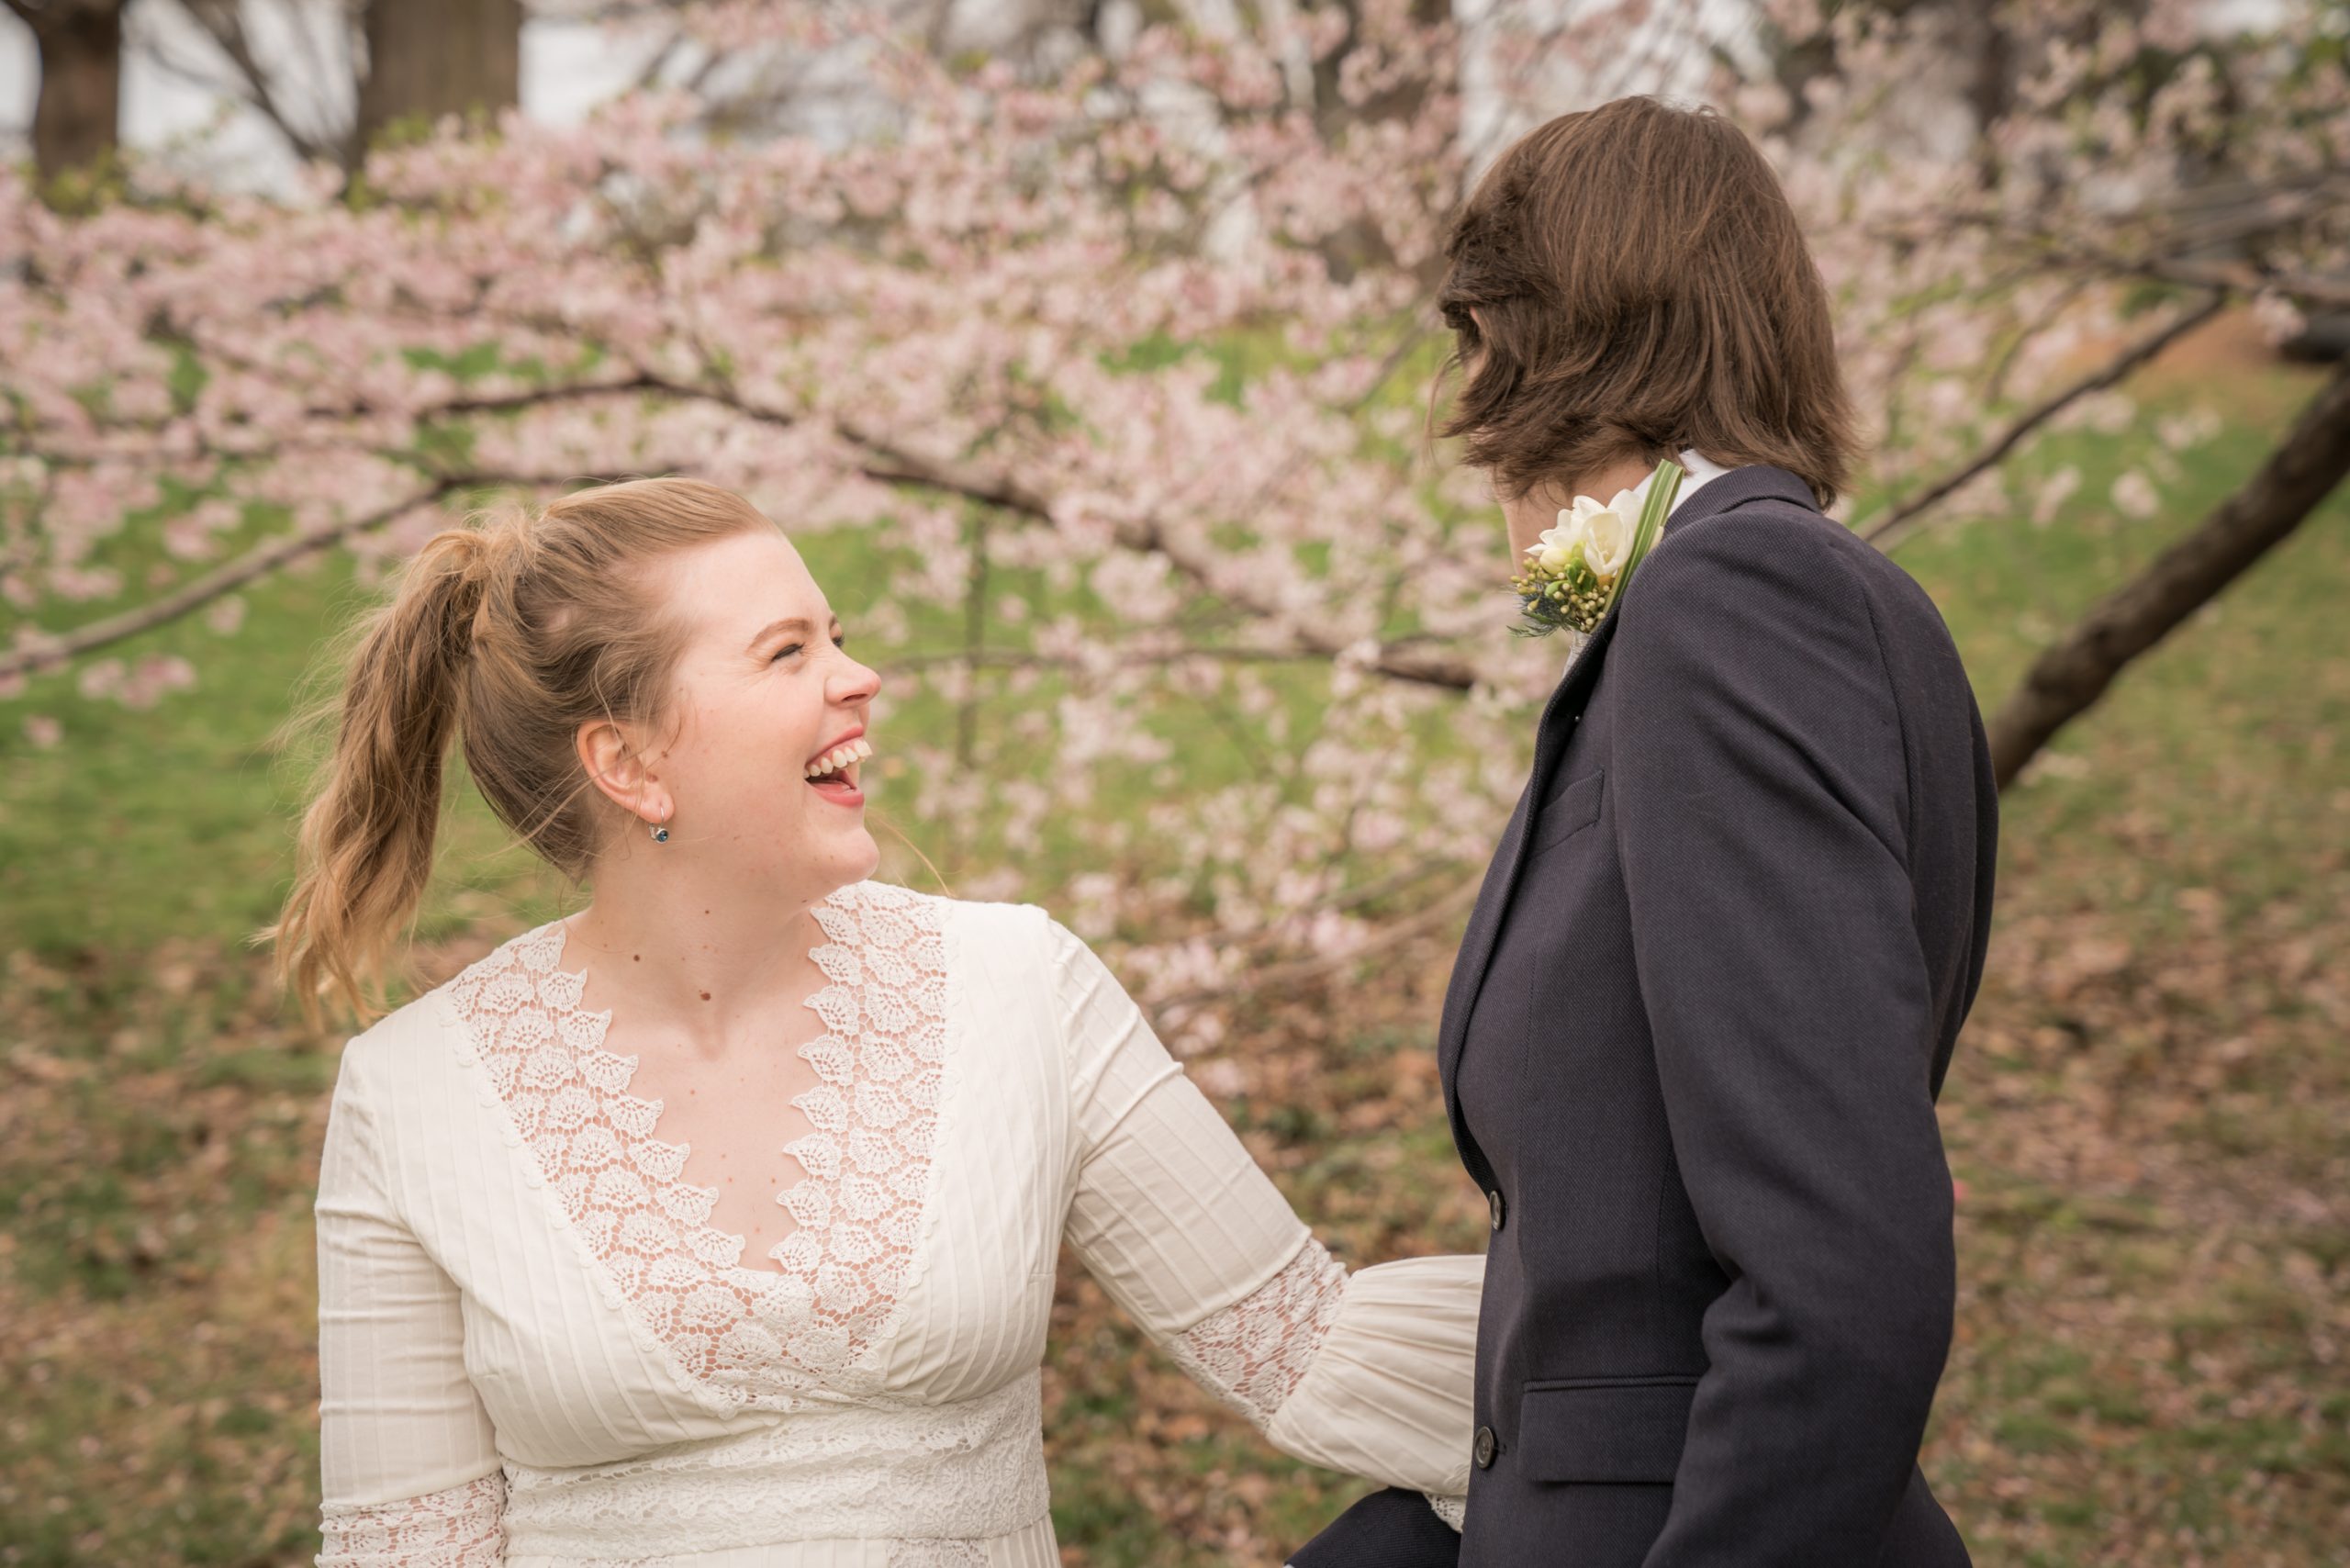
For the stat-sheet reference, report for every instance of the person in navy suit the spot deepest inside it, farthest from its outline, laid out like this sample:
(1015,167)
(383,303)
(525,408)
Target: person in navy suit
(1704,1007)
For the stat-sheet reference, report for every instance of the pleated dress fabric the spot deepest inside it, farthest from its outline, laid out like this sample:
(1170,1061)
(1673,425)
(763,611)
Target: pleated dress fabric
(534,1350)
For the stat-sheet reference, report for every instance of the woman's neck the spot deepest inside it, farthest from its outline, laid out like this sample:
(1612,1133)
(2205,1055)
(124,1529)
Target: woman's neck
(709,967)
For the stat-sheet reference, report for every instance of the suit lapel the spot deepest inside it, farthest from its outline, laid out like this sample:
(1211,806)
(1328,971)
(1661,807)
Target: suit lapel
(1568,700)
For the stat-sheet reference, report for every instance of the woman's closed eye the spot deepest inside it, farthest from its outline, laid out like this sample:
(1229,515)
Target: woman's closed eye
(791,648)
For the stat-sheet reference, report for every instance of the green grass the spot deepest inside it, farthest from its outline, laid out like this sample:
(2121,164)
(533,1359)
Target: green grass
(2148,1110)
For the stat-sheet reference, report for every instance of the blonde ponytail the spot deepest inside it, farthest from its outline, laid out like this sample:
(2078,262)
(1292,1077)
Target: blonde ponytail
(365,847)
(504,637)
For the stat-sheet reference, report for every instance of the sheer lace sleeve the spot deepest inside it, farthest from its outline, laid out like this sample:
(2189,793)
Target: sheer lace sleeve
(454,1528)
(1366,1372)
(409,1466)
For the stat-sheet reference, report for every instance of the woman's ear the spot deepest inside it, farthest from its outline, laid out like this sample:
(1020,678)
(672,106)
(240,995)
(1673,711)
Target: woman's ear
(615,767)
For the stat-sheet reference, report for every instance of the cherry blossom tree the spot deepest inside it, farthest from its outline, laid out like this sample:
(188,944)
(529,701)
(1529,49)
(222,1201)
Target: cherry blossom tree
(2131,172)
(1120,367)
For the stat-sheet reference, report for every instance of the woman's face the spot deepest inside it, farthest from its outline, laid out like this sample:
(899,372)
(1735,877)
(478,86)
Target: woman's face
(763,695)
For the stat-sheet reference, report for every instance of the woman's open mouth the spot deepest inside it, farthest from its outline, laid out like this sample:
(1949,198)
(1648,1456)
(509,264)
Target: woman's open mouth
(832,773)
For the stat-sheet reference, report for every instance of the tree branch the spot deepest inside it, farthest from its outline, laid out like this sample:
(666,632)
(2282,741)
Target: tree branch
(1431,916)
(1148,536)
(1887,531)
(48,650)
(885,462)
(2245,278)
(2279,207)
(222,22)
(2071,675)
(1021,658)
(1996,383)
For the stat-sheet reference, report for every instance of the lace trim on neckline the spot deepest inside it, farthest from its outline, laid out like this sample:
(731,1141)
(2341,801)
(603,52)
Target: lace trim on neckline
(754,1335)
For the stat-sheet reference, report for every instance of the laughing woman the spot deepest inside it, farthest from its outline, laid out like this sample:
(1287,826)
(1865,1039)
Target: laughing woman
(714,1226)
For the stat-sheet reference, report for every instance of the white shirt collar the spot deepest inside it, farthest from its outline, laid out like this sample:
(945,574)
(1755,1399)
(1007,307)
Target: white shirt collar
(1699,470)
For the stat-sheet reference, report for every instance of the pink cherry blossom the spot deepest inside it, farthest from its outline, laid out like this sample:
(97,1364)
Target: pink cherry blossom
(997,337)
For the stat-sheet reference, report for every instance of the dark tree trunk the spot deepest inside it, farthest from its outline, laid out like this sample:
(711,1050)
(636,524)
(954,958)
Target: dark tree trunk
(437,57)
(2070,676)
(1990,52)
(80,44)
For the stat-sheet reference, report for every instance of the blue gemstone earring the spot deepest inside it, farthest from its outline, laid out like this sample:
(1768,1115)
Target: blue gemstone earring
(661,832)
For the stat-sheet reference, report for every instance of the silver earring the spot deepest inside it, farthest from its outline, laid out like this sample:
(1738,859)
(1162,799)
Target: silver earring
(661,832)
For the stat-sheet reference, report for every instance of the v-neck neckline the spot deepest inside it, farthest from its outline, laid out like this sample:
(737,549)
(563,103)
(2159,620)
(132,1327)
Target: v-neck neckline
(756,1333)
(808,1151)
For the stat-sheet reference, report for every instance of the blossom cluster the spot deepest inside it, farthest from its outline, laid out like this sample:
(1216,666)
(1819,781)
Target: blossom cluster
(1119,373)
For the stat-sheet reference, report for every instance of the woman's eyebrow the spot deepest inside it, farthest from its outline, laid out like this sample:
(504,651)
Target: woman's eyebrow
(800,624)
(790,623)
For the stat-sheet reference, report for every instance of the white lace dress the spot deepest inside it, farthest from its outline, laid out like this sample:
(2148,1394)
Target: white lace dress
(535,1351)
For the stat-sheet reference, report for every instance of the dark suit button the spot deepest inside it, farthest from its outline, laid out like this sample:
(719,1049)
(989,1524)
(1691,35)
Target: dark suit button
(1486,1447)
(1493,1202)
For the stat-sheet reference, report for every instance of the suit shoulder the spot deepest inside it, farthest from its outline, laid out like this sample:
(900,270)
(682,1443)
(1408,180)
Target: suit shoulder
(1765,563)
(1775,551)
(1760,535)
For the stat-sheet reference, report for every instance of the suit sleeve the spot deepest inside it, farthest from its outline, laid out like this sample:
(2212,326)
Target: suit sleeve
(1762,810)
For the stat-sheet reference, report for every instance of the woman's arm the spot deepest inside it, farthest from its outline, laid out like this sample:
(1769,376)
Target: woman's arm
(409,1461)
(1368,1372)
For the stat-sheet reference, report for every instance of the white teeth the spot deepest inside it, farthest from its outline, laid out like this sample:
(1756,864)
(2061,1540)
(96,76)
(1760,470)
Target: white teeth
(840,756)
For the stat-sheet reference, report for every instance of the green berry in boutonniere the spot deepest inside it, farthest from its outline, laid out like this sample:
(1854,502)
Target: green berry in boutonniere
(1575,572)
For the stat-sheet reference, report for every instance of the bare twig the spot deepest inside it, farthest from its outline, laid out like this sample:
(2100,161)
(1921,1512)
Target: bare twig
(1888,530)
(260,562)
(1300,971)
(1019,658)
(2071,675)
(47,651)
(1995,385)
(222,22)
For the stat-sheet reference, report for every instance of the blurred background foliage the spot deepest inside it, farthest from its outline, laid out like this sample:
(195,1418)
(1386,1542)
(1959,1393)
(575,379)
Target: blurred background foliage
(2146,1115)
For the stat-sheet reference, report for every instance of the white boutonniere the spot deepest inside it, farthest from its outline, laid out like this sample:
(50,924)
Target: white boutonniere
(1575,572)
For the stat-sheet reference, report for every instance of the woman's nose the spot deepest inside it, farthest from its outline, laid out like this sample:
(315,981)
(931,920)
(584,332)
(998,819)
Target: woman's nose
(853,682)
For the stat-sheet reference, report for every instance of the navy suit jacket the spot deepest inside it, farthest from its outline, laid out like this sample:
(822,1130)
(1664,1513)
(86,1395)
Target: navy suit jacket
(1691,1050)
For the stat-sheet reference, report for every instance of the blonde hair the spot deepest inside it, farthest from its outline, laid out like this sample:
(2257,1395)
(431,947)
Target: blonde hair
(505,634)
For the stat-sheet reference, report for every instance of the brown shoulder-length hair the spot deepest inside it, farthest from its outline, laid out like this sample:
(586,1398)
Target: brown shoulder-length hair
(1643,288)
